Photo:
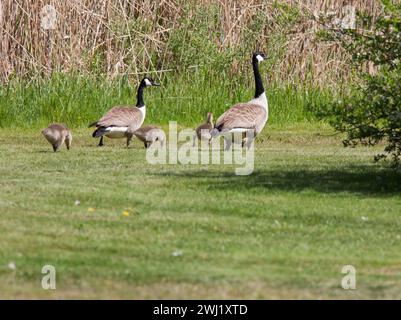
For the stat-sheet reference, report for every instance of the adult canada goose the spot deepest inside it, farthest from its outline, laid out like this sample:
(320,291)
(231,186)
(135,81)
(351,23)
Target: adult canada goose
(203,132)
(245,117)
(115,123)
(57,134)
(149,134)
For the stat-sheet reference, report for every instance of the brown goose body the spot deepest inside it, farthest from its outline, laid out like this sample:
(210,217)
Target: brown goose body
(149,134)
(116,122)
(246,116)
(56,134)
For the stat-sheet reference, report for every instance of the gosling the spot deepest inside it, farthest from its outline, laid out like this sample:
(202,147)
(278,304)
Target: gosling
(149,135)
(203,132)
(57,134)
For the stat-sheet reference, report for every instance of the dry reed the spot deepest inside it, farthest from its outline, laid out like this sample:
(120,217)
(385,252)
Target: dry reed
(104,35)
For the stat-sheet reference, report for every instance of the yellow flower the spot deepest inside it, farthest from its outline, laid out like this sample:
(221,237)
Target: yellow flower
(125,213)
(91,209)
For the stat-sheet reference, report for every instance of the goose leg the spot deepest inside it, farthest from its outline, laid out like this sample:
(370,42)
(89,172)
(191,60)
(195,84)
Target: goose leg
(61,143)
(250,138)
(68,143)
(227,142)
(193,140)
(247,143)
(129,138)
(101,144)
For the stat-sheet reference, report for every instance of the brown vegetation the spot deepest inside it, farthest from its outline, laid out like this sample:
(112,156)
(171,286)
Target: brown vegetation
(133,36)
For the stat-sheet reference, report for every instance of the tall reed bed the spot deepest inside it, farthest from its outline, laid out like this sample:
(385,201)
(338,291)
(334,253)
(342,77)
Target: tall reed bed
(72,61)
(132,37)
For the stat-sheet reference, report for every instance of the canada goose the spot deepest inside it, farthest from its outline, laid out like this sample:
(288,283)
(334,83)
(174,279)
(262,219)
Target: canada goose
(203,132)
(149,134)
(115,123)
(57,134)
(245,117)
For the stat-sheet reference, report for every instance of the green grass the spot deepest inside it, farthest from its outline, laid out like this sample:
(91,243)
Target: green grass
(309,208)
(79,100)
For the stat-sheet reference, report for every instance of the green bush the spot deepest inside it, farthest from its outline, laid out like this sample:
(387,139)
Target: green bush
(371,112)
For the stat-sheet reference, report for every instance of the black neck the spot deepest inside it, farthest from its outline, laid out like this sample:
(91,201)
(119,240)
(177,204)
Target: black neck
(258,79)
(139,96)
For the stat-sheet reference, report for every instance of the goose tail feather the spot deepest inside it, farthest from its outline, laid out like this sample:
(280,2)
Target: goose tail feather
(92,124)
(99,132)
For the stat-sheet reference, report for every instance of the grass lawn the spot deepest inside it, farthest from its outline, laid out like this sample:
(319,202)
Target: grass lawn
(286,231)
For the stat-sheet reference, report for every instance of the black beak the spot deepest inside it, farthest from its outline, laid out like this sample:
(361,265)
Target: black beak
(155,84)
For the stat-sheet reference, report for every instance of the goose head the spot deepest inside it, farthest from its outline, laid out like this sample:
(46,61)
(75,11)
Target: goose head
(149,82)
(258,57)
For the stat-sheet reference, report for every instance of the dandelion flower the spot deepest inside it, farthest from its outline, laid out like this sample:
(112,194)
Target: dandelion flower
(125,213)
(91,209)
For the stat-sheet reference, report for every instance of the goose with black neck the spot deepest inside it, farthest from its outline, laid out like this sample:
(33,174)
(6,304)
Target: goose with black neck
(249,117)
(121,121)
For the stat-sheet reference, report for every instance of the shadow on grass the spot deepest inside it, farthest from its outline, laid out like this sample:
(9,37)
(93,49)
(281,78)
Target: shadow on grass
(369,180)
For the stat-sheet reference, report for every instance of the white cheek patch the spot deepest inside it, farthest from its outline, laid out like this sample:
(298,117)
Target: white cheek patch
(260,58)
(147,82)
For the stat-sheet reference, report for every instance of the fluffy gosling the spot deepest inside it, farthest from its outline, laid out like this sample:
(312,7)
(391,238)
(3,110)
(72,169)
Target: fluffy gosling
(150,134)
(57,134)
(203,132)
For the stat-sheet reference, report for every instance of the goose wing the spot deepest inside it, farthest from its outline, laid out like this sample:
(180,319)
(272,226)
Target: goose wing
(121,117)
(243,115)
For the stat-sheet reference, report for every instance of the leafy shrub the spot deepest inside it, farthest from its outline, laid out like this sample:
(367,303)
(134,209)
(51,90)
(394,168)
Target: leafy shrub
(371,112)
